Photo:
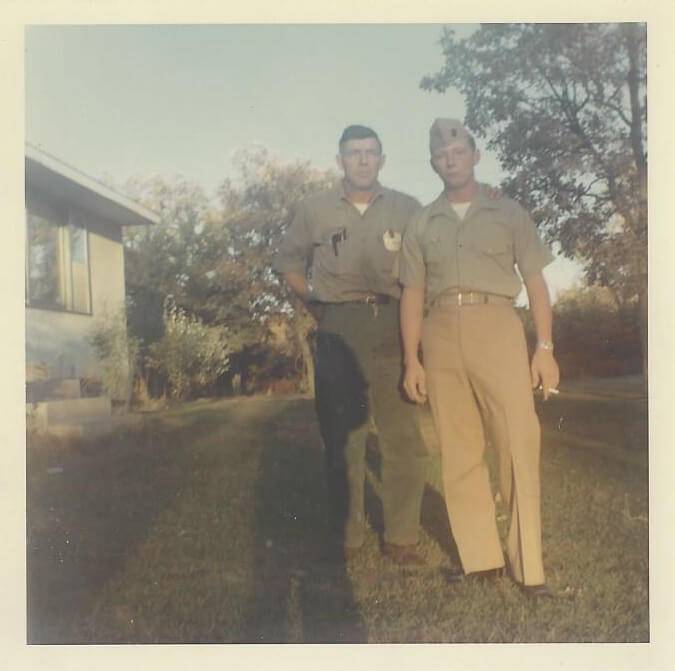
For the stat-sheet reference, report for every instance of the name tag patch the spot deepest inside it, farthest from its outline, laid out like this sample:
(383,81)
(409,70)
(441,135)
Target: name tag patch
(392,240)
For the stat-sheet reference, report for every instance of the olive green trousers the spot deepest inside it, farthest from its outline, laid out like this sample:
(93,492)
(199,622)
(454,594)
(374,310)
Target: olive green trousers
(358,376)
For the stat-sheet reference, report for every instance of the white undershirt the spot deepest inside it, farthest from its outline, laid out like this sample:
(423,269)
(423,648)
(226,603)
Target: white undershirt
(460,208)
(361,207)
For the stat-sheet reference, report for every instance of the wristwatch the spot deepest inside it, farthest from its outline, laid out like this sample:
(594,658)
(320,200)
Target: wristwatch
(311,298)
(545,344)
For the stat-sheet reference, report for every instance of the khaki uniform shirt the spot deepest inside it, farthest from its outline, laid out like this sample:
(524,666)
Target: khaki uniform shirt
(346,254)
(477,253)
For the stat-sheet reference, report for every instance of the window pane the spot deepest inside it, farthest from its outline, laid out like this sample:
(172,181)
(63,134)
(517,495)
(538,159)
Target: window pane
(79,268)
(78,244)
(45,277)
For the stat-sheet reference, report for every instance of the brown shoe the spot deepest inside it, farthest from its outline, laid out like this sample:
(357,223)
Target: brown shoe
(536,592)
(455,575)
(403,555)
(490,574)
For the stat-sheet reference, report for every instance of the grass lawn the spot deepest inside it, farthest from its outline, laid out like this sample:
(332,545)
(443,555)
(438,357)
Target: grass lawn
(209,524)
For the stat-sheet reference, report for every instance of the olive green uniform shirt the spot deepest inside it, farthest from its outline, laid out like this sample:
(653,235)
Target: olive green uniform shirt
(346,254)
(477,253)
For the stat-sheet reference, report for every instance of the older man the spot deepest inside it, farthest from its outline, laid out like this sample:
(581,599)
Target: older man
(340,255)
(460,255)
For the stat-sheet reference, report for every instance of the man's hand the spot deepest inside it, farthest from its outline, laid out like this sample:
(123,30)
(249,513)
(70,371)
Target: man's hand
(544,370)
(415,382)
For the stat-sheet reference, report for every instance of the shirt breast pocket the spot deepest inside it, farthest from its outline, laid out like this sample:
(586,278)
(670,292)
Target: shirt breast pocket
(328,250)
(386,248)
(494,241)
(432,249)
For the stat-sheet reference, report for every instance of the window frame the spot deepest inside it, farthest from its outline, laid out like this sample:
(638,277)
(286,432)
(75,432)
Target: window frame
(63,225)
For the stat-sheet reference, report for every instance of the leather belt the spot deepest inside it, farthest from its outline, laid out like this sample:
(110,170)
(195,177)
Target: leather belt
(372,300)
(367,299)
(459,298)
(377,299)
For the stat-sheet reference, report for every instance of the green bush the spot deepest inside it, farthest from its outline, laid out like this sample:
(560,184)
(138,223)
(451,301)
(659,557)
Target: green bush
(117,352)
(191,356)
(594,335)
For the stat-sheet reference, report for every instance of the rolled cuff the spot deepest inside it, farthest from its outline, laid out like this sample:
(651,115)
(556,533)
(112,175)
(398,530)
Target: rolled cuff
(414,280)
(536,263)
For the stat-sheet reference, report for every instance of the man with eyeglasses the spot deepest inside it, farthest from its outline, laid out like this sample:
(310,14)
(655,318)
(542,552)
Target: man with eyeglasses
(340,255)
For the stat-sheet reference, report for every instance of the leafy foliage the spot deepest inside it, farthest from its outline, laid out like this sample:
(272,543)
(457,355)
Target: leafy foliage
(595,334)
(118,353)
(564,108)
(191,355)
(216,260)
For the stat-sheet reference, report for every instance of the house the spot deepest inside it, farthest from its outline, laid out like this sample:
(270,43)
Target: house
(74,274)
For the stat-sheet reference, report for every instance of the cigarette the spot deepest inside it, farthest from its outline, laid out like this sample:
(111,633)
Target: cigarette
(553,391)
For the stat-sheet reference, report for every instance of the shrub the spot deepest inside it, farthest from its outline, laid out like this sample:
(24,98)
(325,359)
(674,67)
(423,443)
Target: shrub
(117,352)
(191,356)
(593,334)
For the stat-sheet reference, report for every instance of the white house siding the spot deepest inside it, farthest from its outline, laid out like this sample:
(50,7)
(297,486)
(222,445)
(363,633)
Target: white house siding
(56,342)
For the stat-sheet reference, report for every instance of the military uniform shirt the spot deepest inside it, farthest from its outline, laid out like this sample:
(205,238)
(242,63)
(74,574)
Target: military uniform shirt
(477,253)
(347,254)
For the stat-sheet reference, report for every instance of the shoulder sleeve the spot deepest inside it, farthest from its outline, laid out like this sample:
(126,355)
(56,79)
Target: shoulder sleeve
(412,270)
(413,204)
(295,250)
(404,208)
(532,255)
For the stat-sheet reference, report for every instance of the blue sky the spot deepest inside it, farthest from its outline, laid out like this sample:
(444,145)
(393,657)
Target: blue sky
(139,100)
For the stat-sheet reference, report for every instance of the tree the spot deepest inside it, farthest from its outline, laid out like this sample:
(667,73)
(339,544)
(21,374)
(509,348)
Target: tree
(165,262)
(169,257)
(257,208)
(564,108)
(215,262)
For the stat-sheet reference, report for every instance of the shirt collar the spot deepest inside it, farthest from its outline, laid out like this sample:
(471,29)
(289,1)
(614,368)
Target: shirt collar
(480,201)
(378,191)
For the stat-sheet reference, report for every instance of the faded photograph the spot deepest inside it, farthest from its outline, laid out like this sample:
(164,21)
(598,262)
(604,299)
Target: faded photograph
(336,333)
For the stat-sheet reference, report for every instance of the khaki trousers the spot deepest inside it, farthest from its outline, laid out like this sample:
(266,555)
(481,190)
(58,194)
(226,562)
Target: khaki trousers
(479,387)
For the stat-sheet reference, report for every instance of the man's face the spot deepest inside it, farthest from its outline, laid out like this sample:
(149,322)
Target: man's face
(454,164)
(361,161)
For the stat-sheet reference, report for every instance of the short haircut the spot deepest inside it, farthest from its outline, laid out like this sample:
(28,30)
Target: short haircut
(357,132)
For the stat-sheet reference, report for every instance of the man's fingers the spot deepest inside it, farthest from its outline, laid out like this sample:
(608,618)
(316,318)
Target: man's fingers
(411,390)
(414,385)
(420,392)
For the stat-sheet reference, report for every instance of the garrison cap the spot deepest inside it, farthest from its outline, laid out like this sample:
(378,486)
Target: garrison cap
(445,131)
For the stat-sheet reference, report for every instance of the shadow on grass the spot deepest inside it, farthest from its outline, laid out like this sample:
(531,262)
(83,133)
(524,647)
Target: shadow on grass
(88,504)
(302,592)
(433,517)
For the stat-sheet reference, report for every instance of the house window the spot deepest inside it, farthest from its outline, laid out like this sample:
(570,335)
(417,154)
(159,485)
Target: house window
(57,264)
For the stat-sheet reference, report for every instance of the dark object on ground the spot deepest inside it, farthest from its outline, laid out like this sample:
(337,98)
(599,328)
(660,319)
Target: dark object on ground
(404,555)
